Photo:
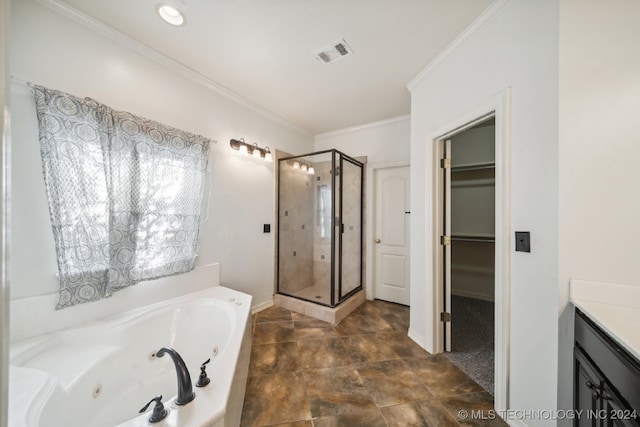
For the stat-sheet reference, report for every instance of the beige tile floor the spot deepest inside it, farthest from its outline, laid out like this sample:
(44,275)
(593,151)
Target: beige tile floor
(364,371)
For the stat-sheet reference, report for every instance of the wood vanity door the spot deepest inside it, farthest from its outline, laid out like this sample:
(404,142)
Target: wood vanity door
(618,413)
(606,378)
(586,400)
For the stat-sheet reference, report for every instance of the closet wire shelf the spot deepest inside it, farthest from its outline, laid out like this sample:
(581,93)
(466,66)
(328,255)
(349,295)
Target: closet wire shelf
(473,167)
(463,238)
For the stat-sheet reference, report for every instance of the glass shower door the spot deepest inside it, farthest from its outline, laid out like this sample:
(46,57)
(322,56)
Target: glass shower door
(304,227)
(351,227)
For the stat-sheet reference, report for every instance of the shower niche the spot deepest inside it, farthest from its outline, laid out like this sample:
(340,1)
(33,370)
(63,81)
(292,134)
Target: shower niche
(320,231)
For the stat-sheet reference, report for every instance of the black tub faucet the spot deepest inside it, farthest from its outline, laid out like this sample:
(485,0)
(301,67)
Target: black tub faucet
(185,390)
(159,412)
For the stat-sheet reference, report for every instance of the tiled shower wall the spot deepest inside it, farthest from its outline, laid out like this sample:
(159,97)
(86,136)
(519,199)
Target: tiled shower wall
(305,228)
(296,200)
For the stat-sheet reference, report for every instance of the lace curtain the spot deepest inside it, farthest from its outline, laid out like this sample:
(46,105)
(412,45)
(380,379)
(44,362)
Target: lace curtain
(124,195)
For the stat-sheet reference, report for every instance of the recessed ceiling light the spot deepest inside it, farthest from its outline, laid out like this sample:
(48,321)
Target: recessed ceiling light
(171,15)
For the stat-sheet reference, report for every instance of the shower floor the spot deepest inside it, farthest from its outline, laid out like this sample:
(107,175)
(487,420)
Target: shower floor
(317,293)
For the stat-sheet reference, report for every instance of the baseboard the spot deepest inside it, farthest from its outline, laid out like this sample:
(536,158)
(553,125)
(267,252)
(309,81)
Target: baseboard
(261,306)
(417,338)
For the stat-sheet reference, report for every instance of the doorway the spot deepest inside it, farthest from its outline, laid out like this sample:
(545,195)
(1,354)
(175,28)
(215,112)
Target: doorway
(391,241)
(469,255)
(498,108)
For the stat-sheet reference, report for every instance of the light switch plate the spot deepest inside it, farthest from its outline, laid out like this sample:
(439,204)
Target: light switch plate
(523,241)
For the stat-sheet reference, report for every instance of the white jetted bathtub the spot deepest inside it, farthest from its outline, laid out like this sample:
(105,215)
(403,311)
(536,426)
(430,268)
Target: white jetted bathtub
(102,374)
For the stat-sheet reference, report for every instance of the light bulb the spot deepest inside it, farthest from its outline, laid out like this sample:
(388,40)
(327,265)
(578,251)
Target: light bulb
(256,151)
(171,15)
(243,150)
(296,165)
(311,171)
(267,154)
(303,168)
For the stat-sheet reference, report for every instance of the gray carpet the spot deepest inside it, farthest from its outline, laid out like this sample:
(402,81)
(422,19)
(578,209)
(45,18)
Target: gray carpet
(472,339)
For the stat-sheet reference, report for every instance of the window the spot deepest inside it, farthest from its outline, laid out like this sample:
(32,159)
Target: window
(124,195)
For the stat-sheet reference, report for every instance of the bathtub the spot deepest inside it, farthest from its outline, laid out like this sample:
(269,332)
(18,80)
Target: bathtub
(103,373)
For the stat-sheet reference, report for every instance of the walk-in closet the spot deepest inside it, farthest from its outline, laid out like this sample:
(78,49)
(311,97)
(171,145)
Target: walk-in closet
(472,215)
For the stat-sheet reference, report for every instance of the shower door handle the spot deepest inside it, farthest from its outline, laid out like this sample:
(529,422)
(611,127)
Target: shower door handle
(377,240)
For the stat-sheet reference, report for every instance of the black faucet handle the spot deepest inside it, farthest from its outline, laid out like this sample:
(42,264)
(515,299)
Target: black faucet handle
(203,379)
(159,412)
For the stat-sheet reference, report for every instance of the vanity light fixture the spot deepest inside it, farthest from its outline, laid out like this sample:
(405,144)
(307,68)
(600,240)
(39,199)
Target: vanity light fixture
(308,168)
(253,149)
(302,166)
(171,15)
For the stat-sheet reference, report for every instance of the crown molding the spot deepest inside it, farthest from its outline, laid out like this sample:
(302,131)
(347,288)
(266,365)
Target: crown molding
(364,126)
(159,58)
(485,17)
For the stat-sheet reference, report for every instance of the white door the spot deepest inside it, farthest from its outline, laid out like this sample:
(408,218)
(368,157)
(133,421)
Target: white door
(391,241)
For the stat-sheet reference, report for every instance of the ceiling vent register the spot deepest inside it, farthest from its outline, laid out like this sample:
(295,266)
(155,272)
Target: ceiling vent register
(334,52)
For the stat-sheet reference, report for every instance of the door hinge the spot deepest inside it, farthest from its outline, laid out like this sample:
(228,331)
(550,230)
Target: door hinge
(445,240)
(445,163)
(445,317)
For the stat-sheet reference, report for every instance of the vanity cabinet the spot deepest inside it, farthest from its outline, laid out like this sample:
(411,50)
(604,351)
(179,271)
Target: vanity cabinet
(606,389)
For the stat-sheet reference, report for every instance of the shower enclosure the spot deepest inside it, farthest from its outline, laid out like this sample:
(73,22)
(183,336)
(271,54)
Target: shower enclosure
(319,255)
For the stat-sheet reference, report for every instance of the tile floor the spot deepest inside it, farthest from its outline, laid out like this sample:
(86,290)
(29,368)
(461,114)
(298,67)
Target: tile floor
(363,372)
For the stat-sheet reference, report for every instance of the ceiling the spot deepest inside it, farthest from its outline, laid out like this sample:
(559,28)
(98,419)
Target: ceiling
(263,50)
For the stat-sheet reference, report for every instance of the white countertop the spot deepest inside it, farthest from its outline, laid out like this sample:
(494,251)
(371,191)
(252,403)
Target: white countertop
(614,308)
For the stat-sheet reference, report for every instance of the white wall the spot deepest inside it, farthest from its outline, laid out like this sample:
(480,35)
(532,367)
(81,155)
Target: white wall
(49,49)
(5,140)
(385,141)
(599,153)
(517,48)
